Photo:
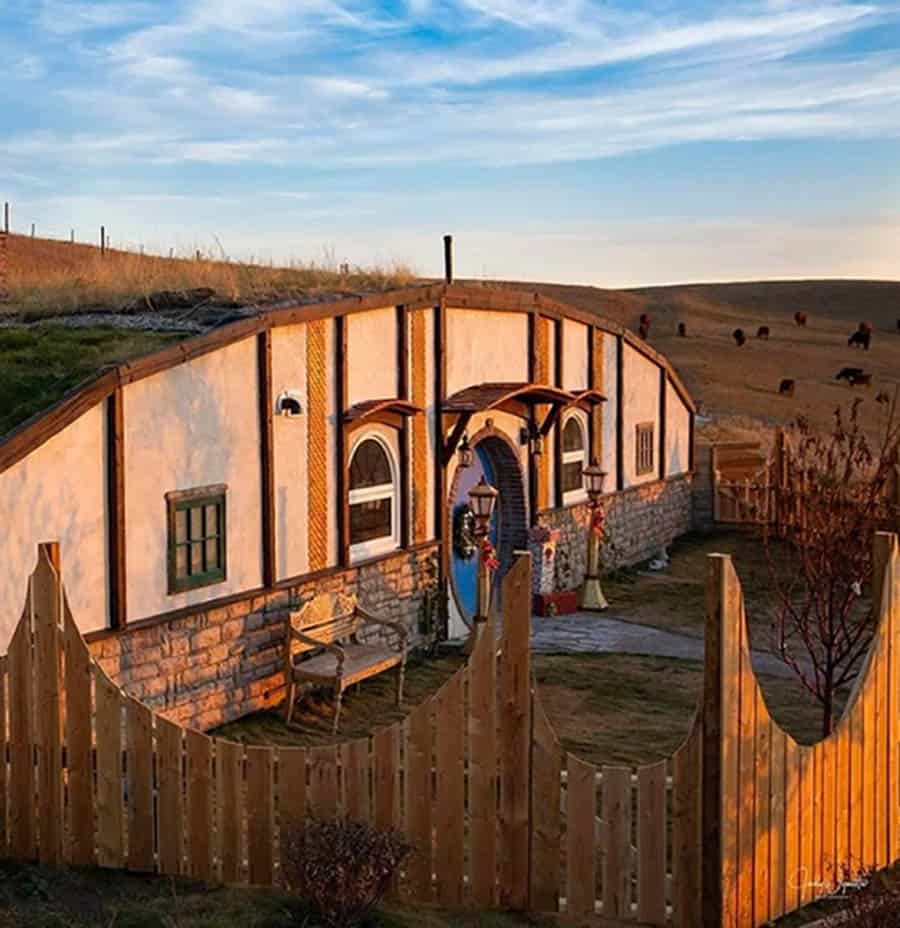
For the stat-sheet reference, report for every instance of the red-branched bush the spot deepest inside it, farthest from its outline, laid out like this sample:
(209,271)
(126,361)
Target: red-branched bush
(875,905)
(341,869)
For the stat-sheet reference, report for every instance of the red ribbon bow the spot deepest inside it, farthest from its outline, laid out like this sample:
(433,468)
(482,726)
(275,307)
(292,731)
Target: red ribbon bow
(489,555)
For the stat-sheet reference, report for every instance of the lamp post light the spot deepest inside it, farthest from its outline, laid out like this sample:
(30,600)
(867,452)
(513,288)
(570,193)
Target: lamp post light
(466,454)
(482,499)
(592,598)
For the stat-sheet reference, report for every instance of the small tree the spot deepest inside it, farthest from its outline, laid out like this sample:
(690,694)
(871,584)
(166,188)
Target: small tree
(839,489)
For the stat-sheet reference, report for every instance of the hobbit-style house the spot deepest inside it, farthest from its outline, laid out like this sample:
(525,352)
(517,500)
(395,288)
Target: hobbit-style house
(200,492)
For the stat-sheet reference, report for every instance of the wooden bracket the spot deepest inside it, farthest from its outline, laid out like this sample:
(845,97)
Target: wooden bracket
(550,419)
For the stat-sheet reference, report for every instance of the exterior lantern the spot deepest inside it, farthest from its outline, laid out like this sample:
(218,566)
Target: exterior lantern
(466,455)
(594,478)
(482,498)
(592,598)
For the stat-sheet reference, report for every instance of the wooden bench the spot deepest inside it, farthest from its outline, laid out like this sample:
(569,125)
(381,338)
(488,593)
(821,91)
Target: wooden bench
(329,624)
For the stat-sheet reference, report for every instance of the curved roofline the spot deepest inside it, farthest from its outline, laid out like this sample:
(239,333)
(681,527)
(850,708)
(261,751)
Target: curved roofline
(32,433)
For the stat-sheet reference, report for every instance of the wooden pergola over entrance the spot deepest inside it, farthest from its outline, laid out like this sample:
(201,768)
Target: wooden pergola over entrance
(517,399)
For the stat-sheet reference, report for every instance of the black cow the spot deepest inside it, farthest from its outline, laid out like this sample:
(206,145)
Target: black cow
(762,332)
(786,387)
(848,374)
(800,318)
(682,329)
(739,337)
(860,340)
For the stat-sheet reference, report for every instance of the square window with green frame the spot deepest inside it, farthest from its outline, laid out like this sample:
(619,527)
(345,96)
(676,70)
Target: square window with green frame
(196,528)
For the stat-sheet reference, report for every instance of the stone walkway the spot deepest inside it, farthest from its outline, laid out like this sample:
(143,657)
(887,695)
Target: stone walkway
(592,633)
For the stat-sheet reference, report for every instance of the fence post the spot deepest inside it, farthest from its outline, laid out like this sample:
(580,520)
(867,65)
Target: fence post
(102,241)
(721,686)
(6,218)
(4,266)
(515,736)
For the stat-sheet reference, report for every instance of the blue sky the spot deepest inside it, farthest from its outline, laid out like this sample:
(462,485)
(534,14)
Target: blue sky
(616,143)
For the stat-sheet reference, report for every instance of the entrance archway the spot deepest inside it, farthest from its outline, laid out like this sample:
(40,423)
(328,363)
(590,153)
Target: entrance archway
(495,459)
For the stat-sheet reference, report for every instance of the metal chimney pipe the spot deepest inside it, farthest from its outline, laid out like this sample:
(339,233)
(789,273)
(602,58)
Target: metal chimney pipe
(448,258)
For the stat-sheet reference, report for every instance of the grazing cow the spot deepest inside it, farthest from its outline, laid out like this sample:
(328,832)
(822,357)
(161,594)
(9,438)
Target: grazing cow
(762,332)
(860,340)
(644,331)
(865,327)
(898,325)
(739,337)
(786,387)
(861,380)
(682,329)
(645,320)
(848,373)
(800,318)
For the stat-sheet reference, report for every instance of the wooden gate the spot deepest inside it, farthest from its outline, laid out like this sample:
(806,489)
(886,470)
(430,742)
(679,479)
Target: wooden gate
(743,484)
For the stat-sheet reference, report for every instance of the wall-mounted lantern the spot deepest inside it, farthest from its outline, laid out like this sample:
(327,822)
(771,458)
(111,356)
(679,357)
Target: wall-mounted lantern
(466,455)
(531,435)
(482,498)
(288,404)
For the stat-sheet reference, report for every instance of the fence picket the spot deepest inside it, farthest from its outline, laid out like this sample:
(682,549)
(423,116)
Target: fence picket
(418,801)
(46,614)
(198,749)
(450,802)
(546,763)
(110,818)
(291,799)
(483,770)
(355,780)
(686,830)
(323,784)
(170,803)
(651,836)
(230,809)
(139,768)
(21,759)
(581,852)
(617,861)
(261,820)
(386,788)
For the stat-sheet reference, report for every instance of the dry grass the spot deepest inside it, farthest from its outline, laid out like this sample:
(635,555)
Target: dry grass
(55,277)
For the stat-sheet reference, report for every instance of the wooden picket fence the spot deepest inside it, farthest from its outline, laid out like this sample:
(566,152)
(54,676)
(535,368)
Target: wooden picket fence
(740,825)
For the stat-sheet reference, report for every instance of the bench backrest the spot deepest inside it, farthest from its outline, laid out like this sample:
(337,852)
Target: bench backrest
(327,617)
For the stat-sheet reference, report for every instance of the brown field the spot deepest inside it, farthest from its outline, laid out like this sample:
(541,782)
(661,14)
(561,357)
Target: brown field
(739,386)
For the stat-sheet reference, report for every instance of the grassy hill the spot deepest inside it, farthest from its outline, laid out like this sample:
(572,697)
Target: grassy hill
(737,387)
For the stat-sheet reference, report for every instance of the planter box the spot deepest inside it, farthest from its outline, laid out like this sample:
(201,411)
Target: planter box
(549,604)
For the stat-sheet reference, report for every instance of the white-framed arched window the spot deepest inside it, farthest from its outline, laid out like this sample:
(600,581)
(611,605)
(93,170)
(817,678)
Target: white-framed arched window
(574,457)
(373,498)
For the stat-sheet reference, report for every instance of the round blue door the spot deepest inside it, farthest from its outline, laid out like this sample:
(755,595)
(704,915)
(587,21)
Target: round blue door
(464,559)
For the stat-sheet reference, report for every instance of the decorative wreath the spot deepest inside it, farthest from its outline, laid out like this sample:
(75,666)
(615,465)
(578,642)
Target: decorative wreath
(464,532)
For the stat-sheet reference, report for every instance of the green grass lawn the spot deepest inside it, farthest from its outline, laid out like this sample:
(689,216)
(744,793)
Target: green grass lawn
(39,364)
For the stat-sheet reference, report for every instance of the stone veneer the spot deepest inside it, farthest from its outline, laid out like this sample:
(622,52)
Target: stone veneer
(214,665)
(639,521)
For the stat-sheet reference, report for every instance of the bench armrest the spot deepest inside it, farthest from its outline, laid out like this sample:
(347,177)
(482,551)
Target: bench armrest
(399,627)
(334,648)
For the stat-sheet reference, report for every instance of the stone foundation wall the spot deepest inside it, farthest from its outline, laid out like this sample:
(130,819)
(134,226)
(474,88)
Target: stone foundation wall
(212,666)
(639,521)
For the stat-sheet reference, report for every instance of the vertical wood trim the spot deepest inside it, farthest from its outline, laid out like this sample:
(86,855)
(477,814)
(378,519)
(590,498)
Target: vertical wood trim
(687,846)
(318,521)
(355,780)
(533,365)
(139,785)
(110,846)
(291,799)
(616,806)
(266,455)
(441,527)
(323,784)
(341,461)
(557,426)
(418,488)
(230,809)
(450,800)
(620,409)
(591,385)
(651,844)
(3,755)
(386,777)
(598,382)
(171,791)
(198,748)
(581,852)
(662,467)
(542,374)
(403,392)
(418,800)
(115,507)
(261,823)
(691,441)
(546,831)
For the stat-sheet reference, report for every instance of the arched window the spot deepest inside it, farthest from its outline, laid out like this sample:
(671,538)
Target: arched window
(574,453)
(373,499)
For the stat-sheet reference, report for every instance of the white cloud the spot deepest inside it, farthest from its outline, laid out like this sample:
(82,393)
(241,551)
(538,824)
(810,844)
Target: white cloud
(64,17)
(240,101)
(345,87)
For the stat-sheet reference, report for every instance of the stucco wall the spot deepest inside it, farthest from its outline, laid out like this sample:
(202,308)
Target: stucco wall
(371,350)
(641,380)
(58,493)
(191,426)
(678,433)
(485,346)
(575,356)
(290,453)
(610,390)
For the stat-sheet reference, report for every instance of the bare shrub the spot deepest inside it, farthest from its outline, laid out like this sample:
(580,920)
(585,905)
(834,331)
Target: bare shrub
(341,869)
(875,905)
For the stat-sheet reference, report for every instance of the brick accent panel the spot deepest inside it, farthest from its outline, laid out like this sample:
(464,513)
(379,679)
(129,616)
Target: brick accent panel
(215,665)
(317,368)
(420,450)
(639,521)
